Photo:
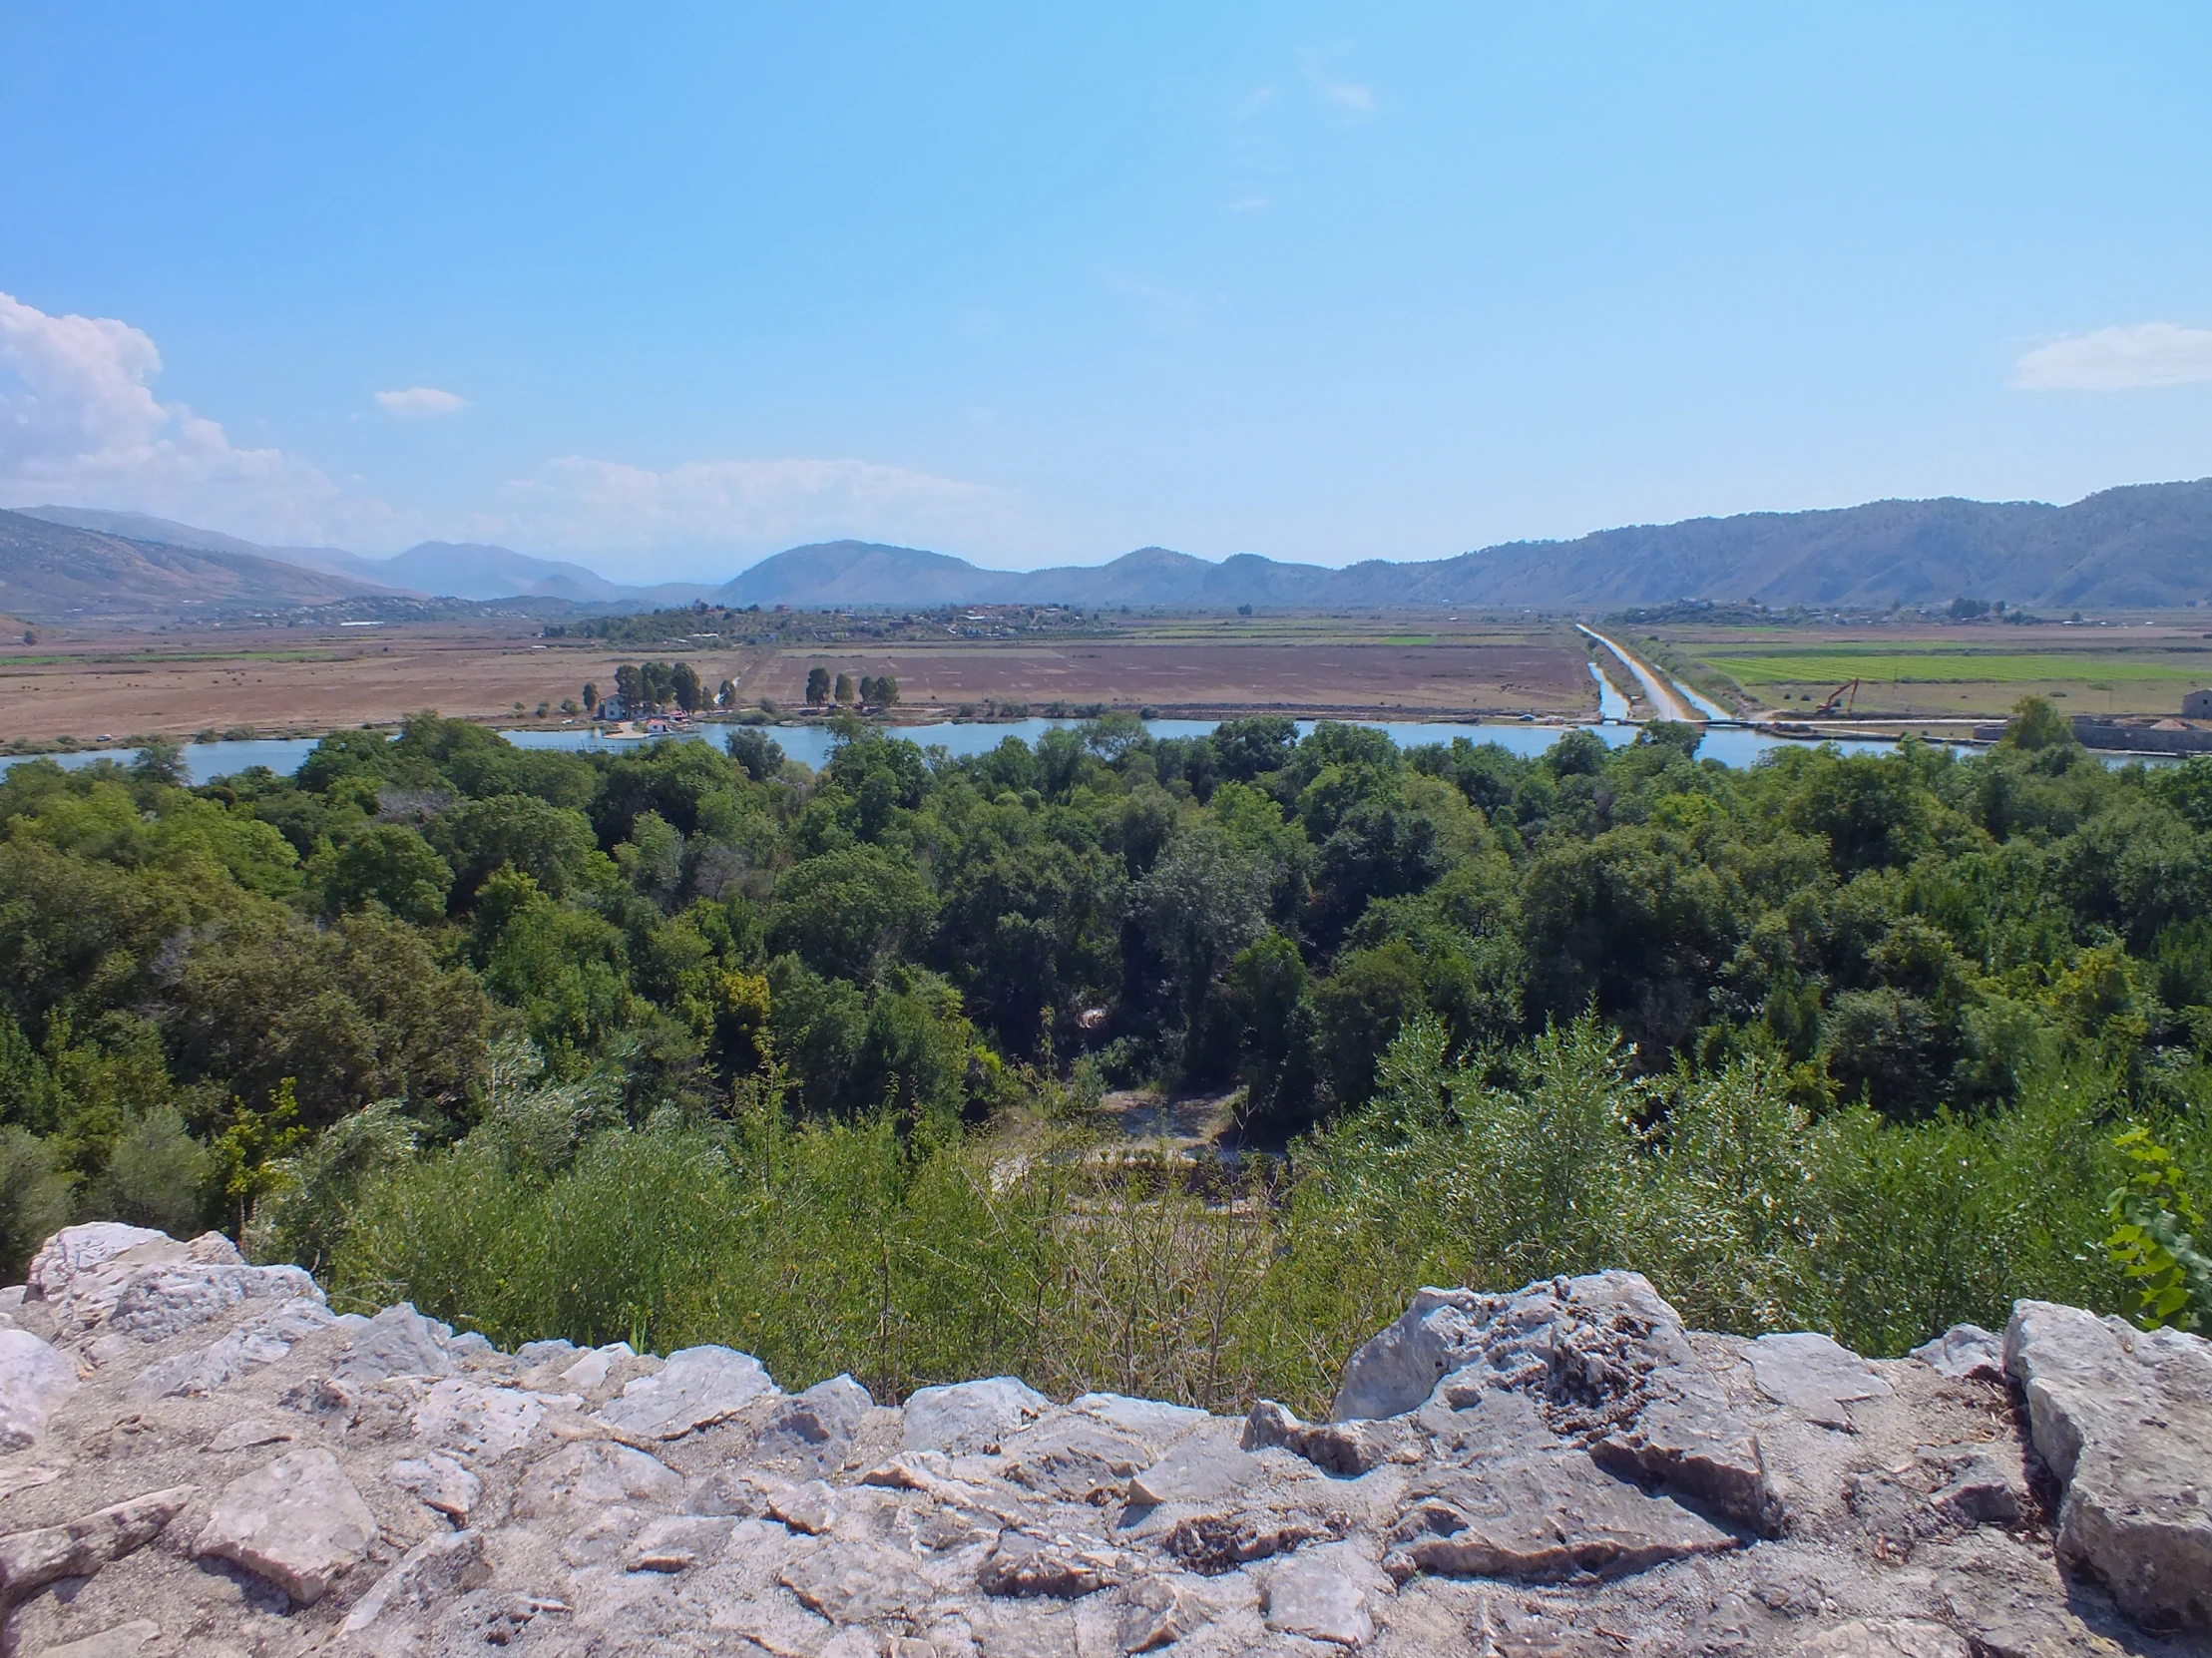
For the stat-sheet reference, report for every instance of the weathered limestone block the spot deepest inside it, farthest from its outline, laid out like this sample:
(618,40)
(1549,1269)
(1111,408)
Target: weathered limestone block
(1599,1363)
(439,1484)
(1964,1351)
(1341,1448)
(817,1426)
(1064,1569)
(929,1473)
(2124,1420)
(258,1341)
(247,1432)
(1886,1638)
(1158,1612)
(31,1559)
(122,1641)
(1157,1423)
(856,1584)
(811,1508)
(1198,1469)
(477,1422)
(398,1342)
(1211,1544)
(678,1542)
(1071,1457)
(297,1523)
(435,1569)
(85,1272)
(35,1381)
(165,1300)
(1813,1376)
(970,1418)
(1542,1518)
(697,1388)
(78,1250)
(579,1481)
(1569,1433)
(1309,1599)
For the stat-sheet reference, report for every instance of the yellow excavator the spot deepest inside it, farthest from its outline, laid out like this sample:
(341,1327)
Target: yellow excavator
(1827,710)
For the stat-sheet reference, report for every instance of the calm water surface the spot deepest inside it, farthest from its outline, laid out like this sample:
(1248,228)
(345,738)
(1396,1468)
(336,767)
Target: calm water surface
(811,744)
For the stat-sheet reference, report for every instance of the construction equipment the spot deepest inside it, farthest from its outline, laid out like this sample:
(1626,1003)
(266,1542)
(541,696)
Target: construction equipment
(1827,710)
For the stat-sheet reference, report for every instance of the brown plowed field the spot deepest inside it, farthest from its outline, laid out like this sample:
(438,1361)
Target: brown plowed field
(299,679)
(1525,676)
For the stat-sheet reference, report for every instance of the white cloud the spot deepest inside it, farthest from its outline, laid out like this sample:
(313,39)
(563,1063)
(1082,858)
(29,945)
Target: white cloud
(80,425)
(86,429)
(745,507)
(2119,359)
(1352,100)
(420,402)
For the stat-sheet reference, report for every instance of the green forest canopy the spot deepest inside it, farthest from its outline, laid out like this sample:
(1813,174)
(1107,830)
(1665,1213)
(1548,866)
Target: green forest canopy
(1840,1042)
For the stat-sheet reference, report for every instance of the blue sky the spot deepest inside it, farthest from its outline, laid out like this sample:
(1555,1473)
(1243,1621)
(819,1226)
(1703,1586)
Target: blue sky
(668,288)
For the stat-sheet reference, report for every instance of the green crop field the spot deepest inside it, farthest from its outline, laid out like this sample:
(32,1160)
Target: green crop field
(1951,667)
(1954,672)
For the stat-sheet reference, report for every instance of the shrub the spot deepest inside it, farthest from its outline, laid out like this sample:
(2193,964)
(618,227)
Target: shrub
(34,1199)
(156,1176)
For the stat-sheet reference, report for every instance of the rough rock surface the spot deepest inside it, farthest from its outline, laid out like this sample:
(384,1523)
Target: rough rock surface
(1563,1470)
(2124,1419)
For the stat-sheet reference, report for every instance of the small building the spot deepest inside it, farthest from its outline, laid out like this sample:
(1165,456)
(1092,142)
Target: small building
(2197,705)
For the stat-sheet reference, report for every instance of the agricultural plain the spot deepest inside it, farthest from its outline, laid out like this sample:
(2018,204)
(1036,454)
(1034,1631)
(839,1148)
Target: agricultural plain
(1920,670)
(88,684)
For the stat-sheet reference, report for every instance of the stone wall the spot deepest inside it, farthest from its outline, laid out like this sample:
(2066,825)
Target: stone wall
(201,1459)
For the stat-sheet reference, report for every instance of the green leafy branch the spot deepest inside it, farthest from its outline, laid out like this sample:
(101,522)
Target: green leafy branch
(2155,1226)
(248,1154)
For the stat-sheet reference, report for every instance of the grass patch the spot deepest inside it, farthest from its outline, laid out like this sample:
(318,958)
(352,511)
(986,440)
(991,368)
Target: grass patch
(1932,667)
(909,1256)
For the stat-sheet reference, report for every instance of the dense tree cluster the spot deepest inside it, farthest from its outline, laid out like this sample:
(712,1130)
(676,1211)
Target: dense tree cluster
(655,687)
(869,691)
(196,984)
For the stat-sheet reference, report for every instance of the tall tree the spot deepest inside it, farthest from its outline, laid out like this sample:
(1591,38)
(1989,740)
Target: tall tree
(684,682)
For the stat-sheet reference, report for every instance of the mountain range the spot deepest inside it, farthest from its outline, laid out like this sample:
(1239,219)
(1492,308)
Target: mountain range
(442,569)
(55,573)
(2140,547)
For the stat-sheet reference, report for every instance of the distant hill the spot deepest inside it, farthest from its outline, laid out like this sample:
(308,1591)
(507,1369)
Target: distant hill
(58,572)
(2142,547)
(469,569)
(839,573)
(448,569)
(853,573)
(169,533)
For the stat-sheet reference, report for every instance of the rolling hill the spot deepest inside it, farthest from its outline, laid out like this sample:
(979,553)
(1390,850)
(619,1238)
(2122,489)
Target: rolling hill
(58,572)
(448,569)
(2142,547)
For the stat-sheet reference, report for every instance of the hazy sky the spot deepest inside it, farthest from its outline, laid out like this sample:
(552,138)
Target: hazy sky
(666,288)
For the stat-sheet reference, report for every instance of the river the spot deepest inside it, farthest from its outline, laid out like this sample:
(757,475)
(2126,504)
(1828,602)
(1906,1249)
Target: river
(205,761)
